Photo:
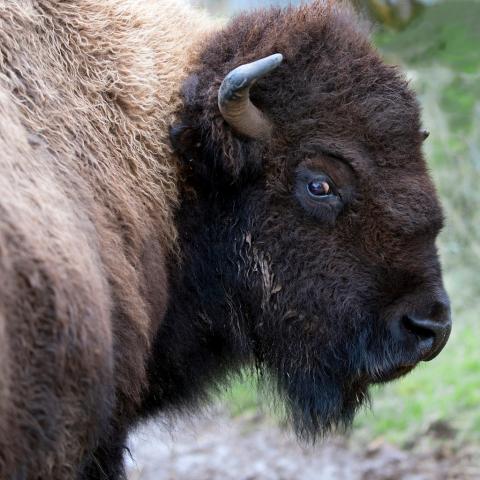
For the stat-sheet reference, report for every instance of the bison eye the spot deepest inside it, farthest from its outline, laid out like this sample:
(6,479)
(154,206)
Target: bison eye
(319,187)
(318,195)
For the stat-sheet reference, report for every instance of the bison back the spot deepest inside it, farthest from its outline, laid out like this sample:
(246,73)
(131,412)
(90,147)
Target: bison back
(55,336)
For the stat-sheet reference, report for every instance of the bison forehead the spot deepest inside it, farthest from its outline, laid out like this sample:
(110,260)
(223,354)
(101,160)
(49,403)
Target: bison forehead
(364,106)
(332,83)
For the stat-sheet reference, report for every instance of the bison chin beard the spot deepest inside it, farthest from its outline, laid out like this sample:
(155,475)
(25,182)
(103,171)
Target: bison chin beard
(317,403)
(325,394)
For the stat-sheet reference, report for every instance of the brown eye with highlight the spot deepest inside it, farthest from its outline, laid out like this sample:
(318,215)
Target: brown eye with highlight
(319,187)
(318,195)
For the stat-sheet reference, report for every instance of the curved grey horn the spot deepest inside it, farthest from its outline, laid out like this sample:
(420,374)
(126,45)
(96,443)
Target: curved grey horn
(234,97)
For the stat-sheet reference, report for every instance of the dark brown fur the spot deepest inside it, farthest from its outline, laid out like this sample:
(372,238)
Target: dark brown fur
(120,298)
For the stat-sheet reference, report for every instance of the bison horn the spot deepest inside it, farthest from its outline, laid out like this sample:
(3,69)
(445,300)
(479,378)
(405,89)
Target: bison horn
(234,98)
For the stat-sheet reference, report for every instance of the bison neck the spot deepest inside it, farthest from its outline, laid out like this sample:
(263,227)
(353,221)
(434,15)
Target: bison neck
(203,336)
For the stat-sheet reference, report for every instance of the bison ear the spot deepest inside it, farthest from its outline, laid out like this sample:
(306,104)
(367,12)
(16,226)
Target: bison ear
(185,141)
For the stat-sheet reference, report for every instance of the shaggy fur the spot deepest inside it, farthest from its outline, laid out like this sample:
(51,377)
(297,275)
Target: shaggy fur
(88,186)
(132,282)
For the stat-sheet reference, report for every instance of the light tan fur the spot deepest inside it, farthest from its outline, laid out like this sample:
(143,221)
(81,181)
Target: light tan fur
(88,185)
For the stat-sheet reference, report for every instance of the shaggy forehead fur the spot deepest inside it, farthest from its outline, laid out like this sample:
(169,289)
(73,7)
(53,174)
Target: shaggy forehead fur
(331,79)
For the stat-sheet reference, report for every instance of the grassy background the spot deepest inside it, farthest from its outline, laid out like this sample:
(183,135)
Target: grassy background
(440,51)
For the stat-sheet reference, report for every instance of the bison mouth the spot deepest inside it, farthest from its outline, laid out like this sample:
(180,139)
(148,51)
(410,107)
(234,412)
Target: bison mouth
(393,373)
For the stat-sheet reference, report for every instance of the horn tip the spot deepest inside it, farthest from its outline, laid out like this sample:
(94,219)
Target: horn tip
(276,58)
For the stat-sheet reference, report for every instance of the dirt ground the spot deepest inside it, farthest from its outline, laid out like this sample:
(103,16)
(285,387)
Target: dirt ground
(218,447)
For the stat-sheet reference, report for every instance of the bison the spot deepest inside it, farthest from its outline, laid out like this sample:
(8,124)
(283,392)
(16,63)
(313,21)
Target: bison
(180,200)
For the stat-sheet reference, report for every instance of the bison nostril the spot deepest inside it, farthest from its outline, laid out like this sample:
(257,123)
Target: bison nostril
(431,335)
(417,328)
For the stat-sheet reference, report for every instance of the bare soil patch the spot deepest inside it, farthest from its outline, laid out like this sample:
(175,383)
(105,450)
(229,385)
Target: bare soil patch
(218,447)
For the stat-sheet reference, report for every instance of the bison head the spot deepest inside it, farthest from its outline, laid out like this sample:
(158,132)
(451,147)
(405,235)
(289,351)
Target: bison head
(308,218)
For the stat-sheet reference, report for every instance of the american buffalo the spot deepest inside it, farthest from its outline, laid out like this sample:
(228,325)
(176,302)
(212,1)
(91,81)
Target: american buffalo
(167,218)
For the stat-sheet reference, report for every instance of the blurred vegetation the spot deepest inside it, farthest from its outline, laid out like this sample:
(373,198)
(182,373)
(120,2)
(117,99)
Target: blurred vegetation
(438,44)
(395,14)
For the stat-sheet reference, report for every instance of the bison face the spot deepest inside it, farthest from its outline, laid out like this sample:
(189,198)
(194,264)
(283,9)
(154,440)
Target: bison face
(350,279)
(309,220)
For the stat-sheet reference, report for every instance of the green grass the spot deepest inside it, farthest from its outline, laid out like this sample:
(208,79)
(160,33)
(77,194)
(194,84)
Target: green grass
(440,51)
(243,396)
